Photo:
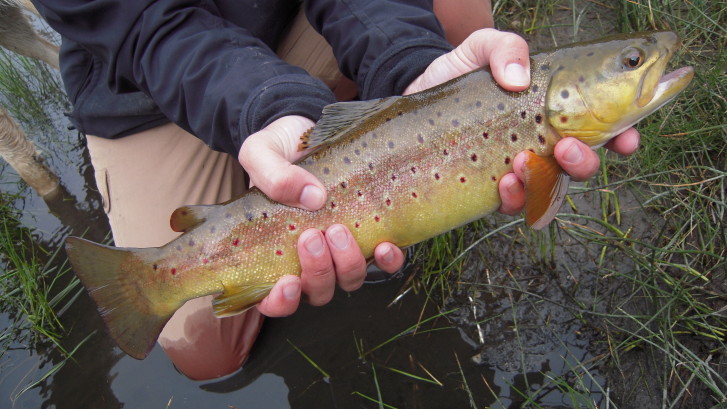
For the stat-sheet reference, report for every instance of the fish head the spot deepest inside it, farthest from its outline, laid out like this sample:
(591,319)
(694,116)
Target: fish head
(599,89)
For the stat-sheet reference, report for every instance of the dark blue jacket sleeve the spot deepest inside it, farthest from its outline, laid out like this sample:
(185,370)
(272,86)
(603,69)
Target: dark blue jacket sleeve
(383,45)
(207,75)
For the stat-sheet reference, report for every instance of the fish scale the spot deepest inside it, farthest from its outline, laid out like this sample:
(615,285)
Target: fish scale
(398,169)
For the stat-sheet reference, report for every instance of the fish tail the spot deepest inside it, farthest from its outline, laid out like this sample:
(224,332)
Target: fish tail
(107,274)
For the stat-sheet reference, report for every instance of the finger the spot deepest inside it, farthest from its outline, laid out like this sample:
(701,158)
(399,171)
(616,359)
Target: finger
(347,257)
(626,143)
(267,155)
(512,194)
(318,275)
(283,299)
(576,158)
(508,57)
(506,53)
(389,257)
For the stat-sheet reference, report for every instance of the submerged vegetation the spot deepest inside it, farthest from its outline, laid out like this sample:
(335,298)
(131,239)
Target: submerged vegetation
(643,247)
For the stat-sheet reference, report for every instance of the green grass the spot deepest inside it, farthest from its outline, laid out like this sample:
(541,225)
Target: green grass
(655,242)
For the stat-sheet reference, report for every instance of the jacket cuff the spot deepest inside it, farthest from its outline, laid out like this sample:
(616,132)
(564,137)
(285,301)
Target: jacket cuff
(398,67)
(292,94)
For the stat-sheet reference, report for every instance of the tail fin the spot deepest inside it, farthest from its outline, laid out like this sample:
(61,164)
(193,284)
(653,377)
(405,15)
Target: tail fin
(107,274)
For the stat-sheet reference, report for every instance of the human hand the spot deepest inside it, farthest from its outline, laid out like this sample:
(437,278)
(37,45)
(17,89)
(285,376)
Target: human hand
(326,259)
(507,55)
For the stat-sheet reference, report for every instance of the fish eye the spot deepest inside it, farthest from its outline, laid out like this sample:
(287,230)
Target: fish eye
(632,58)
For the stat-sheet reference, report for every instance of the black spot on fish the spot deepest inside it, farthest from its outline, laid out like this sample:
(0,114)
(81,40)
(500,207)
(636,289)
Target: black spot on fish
(388,119)
(391,144)
(590,54)
(513,137)
(564,94)
(456,100)
(346,160)
(473,157)
(213,229)
(399,113)
(485,135)
(545,67)
(420,138)
(357,152)
(507,160)
(560,68)
(364,144)
(501,106)
(431,122)
(439,114)
(581,79)
(541,139)
(326,171)
(179,247)
(344,185)
(228,215)
(265,215)
(371,166)
(374,136)
(248,216)
(538,118)
(478,104)
(536,88)
(455,122)
(523,115)
(155,267)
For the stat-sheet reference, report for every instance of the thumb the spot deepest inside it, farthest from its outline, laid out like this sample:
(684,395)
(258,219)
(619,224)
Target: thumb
(267,157)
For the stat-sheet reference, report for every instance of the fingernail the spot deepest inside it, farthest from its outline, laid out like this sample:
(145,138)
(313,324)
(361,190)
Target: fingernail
(291,290)
(314,244)
(338,237)
(516,74)
(573,155)
(312,197)
(388,255)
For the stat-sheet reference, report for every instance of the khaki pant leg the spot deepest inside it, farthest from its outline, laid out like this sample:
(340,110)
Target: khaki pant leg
(143,178)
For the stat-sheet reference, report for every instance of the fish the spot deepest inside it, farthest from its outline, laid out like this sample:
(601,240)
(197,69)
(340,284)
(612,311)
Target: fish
(400,169)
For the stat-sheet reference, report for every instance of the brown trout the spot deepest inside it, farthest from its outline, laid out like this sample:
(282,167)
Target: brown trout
(398,169)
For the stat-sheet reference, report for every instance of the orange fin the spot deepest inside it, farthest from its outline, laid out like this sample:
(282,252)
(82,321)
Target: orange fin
(546,185)
(305,140)
(236,300)
(133,322)
(188,217)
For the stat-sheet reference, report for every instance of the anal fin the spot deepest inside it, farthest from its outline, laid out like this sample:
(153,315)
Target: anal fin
(546,185)
(236,300)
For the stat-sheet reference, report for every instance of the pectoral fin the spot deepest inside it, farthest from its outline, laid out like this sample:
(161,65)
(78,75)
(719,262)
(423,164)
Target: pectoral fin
(236,300)
(546,185)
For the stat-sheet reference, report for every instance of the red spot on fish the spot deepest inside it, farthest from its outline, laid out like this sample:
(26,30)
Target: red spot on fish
(532,150)
(155,267)
(388,202)
(291,227)
(343,185)
(446,152)
(513,137)
(265,215)
(359,193)
(507,160)
(174,271)
(494,179)
(436,176)
(357,225)
(333,205)
(462,179)
(279,252)
(393,177)
(414,195)
(563,119)
(206,260)
(413,169)
(377,218)
(236,242)
(474,157)
(485,135)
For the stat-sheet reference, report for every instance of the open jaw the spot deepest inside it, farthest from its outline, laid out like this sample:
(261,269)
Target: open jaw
(668,87)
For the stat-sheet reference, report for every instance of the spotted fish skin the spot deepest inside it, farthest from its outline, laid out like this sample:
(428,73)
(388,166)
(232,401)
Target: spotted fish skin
(400,169)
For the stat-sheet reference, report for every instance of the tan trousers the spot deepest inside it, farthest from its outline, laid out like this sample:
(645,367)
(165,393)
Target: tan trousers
(144,177)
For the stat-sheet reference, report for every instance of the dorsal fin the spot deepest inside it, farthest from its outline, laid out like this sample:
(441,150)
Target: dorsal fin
(187,217)
(339,117)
